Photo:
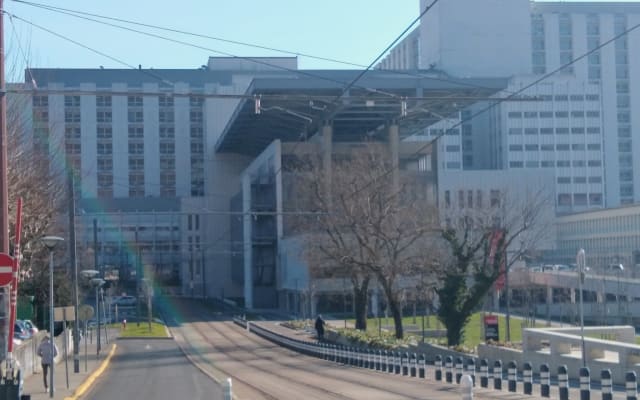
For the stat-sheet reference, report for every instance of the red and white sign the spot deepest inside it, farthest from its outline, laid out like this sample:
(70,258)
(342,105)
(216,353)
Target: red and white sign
(6,269)
(491,319)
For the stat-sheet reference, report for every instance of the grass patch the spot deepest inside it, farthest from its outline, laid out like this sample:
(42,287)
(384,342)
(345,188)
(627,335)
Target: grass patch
(472,329)
(142,330)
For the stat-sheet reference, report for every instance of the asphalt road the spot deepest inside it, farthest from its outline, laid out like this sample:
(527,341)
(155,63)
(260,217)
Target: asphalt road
(152,370)
(261,370)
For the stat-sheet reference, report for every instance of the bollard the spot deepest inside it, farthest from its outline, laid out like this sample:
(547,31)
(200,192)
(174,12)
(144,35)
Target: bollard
(448,372)
(413,363)
(422,367)
(397,361)
(545,380)
(484,373)
(383,361)
(585,383)
(459,367)
(497,375)
(438,367)
(405,364)
(379,360)
(227,390)
(391,366)
(467,387)
(563,383)
(512,376)
(605,384)
(471,370)
(527,378)
(631,385)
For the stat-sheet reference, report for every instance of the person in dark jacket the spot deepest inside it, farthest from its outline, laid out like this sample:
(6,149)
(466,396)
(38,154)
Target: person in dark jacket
(48,352)
(320,327)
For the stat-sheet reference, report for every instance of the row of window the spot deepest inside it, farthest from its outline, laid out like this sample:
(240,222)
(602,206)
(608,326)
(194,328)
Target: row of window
(558,131)
(552,147)
(466,198)
(580,199)
(550,114)
(552,164)
(579,179)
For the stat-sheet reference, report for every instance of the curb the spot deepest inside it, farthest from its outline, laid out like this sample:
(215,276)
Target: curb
(84,386)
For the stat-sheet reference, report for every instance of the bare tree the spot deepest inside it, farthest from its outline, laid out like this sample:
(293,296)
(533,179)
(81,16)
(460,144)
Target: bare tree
(479,240)
(369,227)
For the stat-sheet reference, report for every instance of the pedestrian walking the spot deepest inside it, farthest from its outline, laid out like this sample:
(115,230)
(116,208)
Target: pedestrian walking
(320,327)
(47,351)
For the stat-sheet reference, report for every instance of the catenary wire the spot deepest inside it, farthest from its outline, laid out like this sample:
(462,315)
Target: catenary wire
(501,100)
(78,14)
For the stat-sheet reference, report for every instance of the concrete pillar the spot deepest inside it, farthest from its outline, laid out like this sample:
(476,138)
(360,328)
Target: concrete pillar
(327,151)
(574,293)
(393,148)
(248,250)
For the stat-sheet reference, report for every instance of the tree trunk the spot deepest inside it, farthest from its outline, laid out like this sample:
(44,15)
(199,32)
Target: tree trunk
(361,303)
(396,312)
(454,324)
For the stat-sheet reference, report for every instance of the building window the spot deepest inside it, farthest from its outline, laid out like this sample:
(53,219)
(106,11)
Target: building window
(134,101)
(71,132)
(136,132)
(72,101)
(71,116)
(165,101)
(167,148)
(105,148)
(136,164)
(167,132)
(135,116)
(166,117)
(136,148)
(104,132)
(103,101)
(103,116)
(40,101)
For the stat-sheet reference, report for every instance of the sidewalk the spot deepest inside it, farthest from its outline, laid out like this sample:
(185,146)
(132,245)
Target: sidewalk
(89,366)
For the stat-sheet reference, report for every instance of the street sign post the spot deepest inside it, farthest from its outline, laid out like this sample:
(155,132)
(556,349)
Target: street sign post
(6,269)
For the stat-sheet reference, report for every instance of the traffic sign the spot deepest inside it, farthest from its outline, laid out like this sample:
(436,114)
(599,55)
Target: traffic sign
(6,269)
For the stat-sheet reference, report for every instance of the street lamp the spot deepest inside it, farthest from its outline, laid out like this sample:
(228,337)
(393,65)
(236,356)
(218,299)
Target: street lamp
(50,242)
(91,274)
(580,262)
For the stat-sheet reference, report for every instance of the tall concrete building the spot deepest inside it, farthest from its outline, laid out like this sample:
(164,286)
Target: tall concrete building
(525,40)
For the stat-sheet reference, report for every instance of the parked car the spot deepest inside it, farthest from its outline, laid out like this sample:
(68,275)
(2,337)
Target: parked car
(125,301)
(30,326)
(20,331)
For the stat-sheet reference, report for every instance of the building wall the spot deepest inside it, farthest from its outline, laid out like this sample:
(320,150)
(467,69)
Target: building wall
(489,38)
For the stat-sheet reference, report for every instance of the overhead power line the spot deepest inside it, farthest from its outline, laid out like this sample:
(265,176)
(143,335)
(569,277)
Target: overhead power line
(508,98)
(81,14)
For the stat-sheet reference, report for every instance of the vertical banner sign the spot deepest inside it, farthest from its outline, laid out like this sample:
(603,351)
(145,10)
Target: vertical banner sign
(13,290)
(491,330)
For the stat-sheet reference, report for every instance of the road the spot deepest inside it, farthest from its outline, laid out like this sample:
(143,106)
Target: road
(152,369)
(261,370)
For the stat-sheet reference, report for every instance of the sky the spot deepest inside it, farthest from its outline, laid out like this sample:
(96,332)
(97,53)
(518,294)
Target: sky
(355,31)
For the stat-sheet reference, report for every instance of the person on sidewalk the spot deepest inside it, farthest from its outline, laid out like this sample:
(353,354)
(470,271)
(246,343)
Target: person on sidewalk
(320,327)
(47,351)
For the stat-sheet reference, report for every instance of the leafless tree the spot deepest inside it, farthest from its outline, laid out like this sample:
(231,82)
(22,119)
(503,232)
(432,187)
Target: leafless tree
(368,229)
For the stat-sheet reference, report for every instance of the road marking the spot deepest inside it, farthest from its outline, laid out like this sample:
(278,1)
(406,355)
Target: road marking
(147,347)
(89,381)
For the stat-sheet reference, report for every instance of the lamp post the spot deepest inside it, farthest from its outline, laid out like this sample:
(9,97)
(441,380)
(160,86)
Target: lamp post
(92,274)
(580,262)
(50,242)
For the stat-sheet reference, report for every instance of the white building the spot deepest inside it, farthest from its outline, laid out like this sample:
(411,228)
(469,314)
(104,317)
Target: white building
(518,38)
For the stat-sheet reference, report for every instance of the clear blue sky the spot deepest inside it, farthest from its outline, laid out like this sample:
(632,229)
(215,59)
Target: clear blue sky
(350,30)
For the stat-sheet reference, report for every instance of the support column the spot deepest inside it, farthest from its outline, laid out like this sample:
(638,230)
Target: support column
(247,247)
(393,148)
(327,151)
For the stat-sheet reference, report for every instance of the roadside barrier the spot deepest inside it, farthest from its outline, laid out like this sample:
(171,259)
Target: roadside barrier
(563,382)
(471,370)
(631,385)
(585,384)
(512,376)
(415,365)
(606,384)
(545,380)
(527,378)
(484,373)
(497,375)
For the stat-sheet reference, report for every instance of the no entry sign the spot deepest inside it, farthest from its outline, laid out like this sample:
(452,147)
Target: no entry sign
(6,269)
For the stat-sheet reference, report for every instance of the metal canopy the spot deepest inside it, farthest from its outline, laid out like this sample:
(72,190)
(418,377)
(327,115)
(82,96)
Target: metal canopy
(293,108)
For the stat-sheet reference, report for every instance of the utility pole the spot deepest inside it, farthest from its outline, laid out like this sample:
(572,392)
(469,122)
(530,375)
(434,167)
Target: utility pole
(4,187)
(95,246)
(74,272)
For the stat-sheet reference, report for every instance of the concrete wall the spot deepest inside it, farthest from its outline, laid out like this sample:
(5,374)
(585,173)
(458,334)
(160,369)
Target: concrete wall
(29,360)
